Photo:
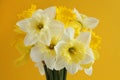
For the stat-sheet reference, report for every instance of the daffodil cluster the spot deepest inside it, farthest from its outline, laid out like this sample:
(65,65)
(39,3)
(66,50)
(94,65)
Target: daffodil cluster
(59,38)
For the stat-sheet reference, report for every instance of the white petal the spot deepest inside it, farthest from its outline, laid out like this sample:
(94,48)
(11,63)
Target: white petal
(60,63)
(78,15)
(68,34)
(37,14)
(56,28)
(90,22)
(50,62)
(40,67)
(36,54)
(45,36)
(30,39)
(88,71)
(39,11)
(40,17)
(72,68)
(59,46)
(85,37)
(50,12)
(24,24)
(89,57)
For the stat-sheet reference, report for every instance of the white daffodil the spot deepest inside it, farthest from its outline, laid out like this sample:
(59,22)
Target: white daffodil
(88,22)
(86,64)
(73,52)
(37,25)
(43,52)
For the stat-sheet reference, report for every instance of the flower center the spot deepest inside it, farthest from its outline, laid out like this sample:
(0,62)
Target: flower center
(40,26)
(72,50)
(51,46)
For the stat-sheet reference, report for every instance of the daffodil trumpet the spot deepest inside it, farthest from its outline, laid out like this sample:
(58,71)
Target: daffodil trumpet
(58,40)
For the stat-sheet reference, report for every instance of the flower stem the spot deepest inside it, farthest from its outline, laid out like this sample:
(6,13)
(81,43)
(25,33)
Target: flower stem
(50,72)
(55,74)
(46,72)
(64,74)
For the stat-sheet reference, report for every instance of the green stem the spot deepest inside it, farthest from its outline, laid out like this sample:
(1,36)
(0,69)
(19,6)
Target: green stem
(62,74)
(55,74)
(65,74)
(46,72)
(50,72)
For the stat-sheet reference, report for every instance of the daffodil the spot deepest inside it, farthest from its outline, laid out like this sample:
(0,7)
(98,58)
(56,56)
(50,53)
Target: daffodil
(69,18)
(58,39)
(24,51)
(72,52)
(42,52)
(27,13)
(88,22)
(36,26)
(89,59)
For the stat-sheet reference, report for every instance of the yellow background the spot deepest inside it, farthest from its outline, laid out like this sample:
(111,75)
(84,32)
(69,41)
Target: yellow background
(107,11)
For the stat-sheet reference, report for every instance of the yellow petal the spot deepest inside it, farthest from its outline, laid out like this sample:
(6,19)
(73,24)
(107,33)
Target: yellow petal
(95,41)
(22,60)
(24,51)
(96,54)
(28,13)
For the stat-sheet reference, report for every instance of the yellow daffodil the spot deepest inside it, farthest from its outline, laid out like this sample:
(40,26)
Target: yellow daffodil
(24,51)
(69,18)
(71,52)
(28,13)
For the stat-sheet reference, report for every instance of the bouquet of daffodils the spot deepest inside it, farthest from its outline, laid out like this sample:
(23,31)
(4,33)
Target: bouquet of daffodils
(58,40)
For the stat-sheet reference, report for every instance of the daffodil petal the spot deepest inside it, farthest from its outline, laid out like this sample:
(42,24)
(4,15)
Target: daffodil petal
(22,60)
(39,11)
(68,34)
(30,39)
(50,12)
(90,22)
(40,67)
(37,14)
(85,37)
(45,36)
(50,61)
(88,71)
(72,68)
(60,63)
(36,54)
(78,15)
(59,46)
(56,28)
(24,24)
(89,57)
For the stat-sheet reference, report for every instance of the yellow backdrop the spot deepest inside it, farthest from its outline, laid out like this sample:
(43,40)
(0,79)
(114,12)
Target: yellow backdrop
(107,11)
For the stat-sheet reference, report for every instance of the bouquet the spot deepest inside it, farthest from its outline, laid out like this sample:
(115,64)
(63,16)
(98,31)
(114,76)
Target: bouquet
(57,39)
